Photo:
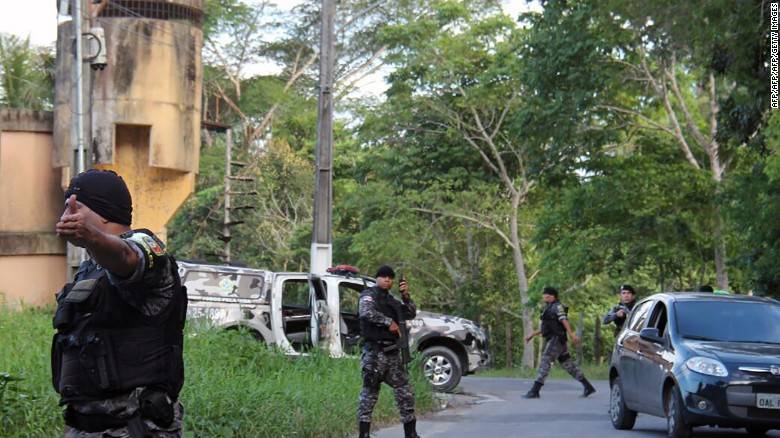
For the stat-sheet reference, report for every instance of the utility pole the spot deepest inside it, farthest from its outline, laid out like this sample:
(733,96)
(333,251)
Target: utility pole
(76,255)
(322,237)
(226,222)
(79,86)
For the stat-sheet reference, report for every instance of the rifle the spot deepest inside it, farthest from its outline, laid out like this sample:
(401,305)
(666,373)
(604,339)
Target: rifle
(403,332)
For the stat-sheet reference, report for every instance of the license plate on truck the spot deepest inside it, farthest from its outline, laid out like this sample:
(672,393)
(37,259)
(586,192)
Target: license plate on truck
(768,401)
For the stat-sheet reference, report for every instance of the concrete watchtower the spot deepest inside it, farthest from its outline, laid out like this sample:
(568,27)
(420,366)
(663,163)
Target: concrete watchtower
(144,105)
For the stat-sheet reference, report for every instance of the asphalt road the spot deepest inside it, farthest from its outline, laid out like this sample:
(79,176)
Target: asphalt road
(493,407)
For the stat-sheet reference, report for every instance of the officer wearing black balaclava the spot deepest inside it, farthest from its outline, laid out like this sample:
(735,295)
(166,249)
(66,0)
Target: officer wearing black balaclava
(117,354)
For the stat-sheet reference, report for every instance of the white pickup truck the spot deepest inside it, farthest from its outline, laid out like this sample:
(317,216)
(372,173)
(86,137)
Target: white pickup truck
(295,311)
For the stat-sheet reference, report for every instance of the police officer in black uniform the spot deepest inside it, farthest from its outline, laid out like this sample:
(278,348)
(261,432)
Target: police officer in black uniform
(555,325)
(619,313)
(117,354)
(381,321)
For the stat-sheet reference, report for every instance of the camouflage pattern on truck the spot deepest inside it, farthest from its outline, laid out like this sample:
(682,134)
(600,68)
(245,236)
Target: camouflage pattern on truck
(428,326)
(229,297)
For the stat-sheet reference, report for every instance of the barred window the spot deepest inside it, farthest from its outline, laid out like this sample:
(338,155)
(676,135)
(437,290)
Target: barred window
(155,9)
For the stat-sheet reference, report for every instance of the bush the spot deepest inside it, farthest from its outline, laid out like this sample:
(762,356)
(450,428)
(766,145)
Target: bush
(234,386)
(265,393)
(28,402)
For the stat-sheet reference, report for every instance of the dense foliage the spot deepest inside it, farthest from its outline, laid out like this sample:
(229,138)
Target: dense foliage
(234,387)
(586,144)
(582,146)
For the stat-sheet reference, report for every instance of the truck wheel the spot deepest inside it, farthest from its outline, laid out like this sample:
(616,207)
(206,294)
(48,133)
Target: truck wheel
(675,422)
(441,367)
(622,417)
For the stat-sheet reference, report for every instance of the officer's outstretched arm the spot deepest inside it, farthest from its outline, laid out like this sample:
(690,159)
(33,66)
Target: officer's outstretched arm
(114,254)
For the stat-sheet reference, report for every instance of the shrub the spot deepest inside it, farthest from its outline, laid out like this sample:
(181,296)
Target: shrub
(235,386)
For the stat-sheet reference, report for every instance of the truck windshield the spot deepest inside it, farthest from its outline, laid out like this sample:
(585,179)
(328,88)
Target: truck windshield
(729,321)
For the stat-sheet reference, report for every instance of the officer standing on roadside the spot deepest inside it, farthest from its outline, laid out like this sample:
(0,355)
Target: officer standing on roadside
(555,325)
(619,313)
(381,319)
(117,354)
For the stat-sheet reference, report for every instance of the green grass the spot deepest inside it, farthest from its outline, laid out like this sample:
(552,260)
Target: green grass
(28,407)
(234,386)
(591,371)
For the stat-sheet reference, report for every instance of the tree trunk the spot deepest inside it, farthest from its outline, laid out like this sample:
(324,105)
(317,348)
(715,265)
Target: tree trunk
(509,349)
(580,332)
(721,271)
(597,342)
(529,347)
(522,281)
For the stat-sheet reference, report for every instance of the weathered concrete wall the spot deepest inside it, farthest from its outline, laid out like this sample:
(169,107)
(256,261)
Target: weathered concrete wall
(31,280)
(153,78)
(145,104)
(157,192)
(29,187)
(32,257)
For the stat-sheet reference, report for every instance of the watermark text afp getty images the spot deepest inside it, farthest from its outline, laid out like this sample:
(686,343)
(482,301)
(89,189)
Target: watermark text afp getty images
(774,47)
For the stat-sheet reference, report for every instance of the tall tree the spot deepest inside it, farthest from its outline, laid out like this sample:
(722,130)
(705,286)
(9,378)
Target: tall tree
(686,58)
(26,74)
(460,65)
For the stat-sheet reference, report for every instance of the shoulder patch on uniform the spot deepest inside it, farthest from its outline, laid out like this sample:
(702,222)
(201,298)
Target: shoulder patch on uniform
(367,298)
(148,242)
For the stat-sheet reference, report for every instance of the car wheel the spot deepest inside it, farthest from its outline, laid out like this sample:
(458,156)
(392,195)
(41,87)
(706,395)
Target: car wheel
(441,367)
(757,431)
(622,417)
(675,423)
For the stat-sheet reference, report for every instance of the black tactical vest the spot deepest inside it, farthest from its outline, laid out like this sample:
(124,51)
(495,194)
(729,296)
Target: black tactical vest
(105,347)
(551,327)
(387,305)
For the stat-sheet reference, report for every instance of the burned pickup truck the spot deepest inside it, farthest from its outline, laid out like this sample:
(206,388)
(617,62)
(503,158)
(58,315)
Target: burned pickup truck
(295,311)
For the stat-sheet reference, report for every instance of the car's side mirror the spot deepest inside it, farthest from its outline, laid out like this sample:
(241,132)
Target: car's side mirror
(652,335)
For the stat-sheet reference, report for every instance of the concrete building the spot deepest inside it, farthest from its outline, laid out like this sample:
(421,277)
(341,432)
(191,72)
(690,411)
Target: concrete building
(32,257)
(145,105)
(142,118)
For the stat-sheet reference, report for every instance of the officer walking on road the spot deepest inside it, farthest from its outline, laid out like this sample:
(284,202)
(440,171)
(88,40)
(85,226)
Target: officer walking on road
(618,314)
(381,321)
(117,354)
(555,325)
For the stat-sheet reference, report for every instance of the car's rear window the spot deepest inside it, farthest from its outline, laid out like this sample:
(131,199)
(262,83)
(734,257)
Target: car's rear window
(728,321)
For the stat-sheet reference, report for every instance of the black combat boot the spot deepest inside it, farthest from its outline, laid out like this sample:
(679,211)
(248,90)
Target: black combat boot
(365,429)
(588,389)
(410,429)
(534,391)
